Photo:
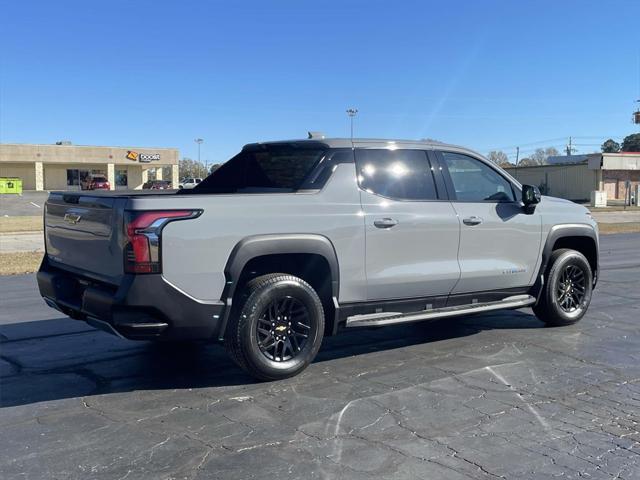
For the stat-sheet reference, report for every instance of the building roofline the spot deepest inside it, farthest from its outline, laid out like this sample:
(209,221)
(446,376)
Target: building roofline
(331,140)
(2,144)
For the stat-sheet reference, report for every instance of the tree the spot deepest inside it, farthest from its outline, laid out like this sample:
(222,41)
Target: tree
(631,143)
(551,152)
(540,156)
(527,162)
(610,146)
(191,168)
(498,157)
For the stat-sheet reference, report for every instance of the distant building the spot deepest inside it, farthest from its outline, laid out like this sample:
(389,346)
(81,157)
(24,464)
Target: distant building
(614,171)
(575,176)
(566,159)
(67,167)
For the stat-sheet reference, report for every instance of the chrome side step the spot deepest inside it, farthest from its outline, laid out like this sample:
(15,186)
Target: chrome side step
(380,319)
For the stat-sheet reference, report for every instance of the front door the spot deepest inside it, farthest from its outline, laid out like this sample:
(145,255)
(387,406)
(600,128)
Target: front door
(411,235)
(611,187)
(499,242)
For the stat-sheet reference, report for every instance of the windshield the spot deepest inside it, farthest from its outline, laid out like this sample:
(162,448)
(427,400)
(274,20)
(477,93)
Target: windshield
(268,168)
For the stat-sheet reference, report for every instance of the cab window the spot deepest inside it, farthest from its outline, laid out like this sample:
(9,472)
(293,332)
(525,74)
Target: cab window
(397,174)
(474,181)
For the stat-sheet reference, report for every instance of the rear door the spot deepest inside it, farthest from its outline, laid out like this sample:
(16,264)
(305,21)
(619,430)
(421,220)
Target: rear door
(499,242)
(411,235)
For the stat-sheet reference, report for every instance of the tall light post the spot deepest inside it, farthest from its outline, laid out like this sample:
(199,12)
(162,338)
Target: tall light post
(352,112)
(199,141)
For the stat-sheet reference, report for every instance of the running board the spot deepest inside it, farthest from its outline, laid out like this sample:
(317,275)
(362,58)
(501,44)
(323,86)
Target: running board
(380,319)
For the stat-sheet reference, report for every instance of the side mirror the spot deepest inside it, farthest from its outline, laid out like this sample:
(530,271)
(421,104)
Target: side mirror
(530,197)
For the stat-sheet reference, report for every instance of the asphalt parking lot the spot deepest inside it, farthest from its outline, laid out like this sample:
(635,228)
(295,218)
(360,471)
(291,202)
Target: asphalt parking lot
(489,396)
(29,203)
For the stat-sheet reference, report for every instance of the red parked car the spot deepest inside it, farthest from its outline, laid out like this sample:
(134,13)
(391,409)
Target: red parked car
(98,182)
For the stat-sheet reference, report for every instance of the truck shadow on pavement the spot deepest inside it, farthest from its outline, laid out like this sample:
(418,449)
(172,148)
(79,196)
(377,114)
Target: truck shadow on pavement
(68,359)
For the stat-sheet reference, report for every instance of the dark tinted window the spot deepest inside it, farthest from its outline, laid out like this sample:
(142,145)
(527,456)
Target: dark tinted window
(400,174)
(266,169)
(474,181)
(323,171)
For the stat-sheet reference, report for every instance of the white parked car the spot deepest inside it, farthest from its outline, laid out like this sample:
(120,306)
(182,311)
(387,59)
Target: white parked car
(189,182)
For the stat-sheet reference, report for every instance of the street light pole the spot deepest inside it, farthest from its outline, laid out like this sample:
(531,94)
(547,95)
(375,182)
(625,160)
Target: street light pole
(352,112)
(199,141)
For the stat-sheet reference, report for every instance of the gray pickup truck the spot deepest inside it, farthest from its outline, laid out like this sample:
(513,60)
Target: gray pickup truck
(292,241)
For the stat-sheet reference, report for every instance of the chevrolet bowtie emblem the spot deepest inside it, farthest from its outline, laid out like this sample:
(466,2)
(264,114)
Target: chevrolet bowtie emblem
(72,218)
(280,328)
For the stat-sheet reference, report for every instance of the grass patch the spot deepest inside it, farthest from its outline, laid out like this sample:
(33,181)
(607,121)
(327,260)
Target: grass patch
(630,227)
(632,208)
(20,262)
(21,224)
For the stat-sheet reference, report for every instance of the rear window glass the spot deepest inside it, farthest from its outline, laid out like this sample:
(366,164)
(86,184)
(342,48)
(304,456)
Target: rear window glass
(266,169)
(398,174)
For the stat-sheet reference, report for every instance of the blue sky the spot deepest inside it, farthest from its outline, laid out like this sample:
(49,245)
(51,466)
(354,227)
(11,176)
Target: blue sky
(484,74)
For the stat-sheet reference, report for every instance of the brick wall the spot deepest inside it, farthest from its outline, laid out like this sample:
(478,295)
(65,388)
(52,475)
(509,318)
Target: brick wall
(615,182)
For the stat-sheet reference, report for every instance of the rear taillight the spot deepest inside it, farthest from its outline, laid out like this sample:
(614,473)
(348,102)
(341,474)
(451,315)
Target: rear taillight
(144,229)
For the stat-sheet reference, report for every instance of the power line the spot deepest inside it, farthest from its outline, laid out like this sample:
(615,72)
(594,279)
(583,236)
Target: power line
(511,147)
(555,142)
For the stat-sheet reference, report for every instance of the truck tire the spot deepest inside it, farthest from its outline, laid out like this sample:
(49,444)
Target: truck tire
(566,294)
(277,328)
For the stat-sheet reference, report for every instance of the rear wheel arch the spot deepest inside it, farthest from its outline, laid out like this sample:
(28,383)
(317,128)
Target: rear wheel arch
(310,257)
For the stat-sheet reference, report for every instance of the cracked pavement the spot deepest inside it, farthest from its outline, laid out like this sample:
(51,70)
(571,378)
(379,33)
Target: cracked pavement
(488,396)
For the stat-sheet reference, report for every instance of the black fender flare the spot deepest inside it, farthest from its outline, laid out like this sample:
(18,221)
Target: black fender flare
(561,231)
(273,244)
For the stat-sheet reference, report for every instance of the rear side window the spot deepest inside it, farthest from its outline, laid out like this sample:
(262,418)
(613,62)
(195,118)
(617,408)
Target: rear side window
(398,174)
(263,170)
(474,181)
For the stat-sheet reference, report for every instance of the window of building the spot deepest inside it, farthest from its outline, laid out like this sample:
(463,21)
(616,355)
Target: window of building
(398,174)
(474,181)
(73,177)
(121,178)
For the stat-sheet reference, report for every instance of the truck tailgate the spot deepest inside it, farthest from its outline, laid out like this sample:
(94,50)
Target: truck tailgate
(84,232)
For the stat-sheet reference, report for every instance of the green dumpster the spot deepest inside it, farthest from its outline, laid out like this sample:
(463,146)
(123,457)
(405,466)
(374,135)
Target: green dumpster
(10,185)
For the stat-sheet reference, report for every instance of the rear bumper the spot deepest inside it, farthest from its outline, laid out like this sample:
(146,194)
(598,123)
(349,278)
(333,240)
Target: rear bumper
(143,307)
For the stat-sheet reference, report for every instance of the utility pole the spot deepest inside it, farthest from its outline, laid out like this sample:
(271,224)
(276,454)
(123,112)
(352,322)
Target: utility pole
(569,148)
(517,159)
(199,141)
(352,112)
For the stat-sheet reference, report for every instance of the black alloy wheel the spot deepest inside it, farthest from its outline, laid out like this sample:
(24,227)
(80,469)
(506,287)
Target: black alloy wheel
(283,329)
(570,288)
(276,328)
(567,288)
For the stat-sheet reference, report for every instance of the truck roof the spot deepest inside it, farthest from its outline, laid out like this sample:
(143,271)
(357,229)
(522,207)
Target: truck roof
(366,143)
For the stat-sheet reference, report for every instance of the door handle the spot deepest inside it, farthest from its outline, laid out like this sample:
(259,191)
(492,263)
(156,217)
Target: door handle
(385,222)
(473,220)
